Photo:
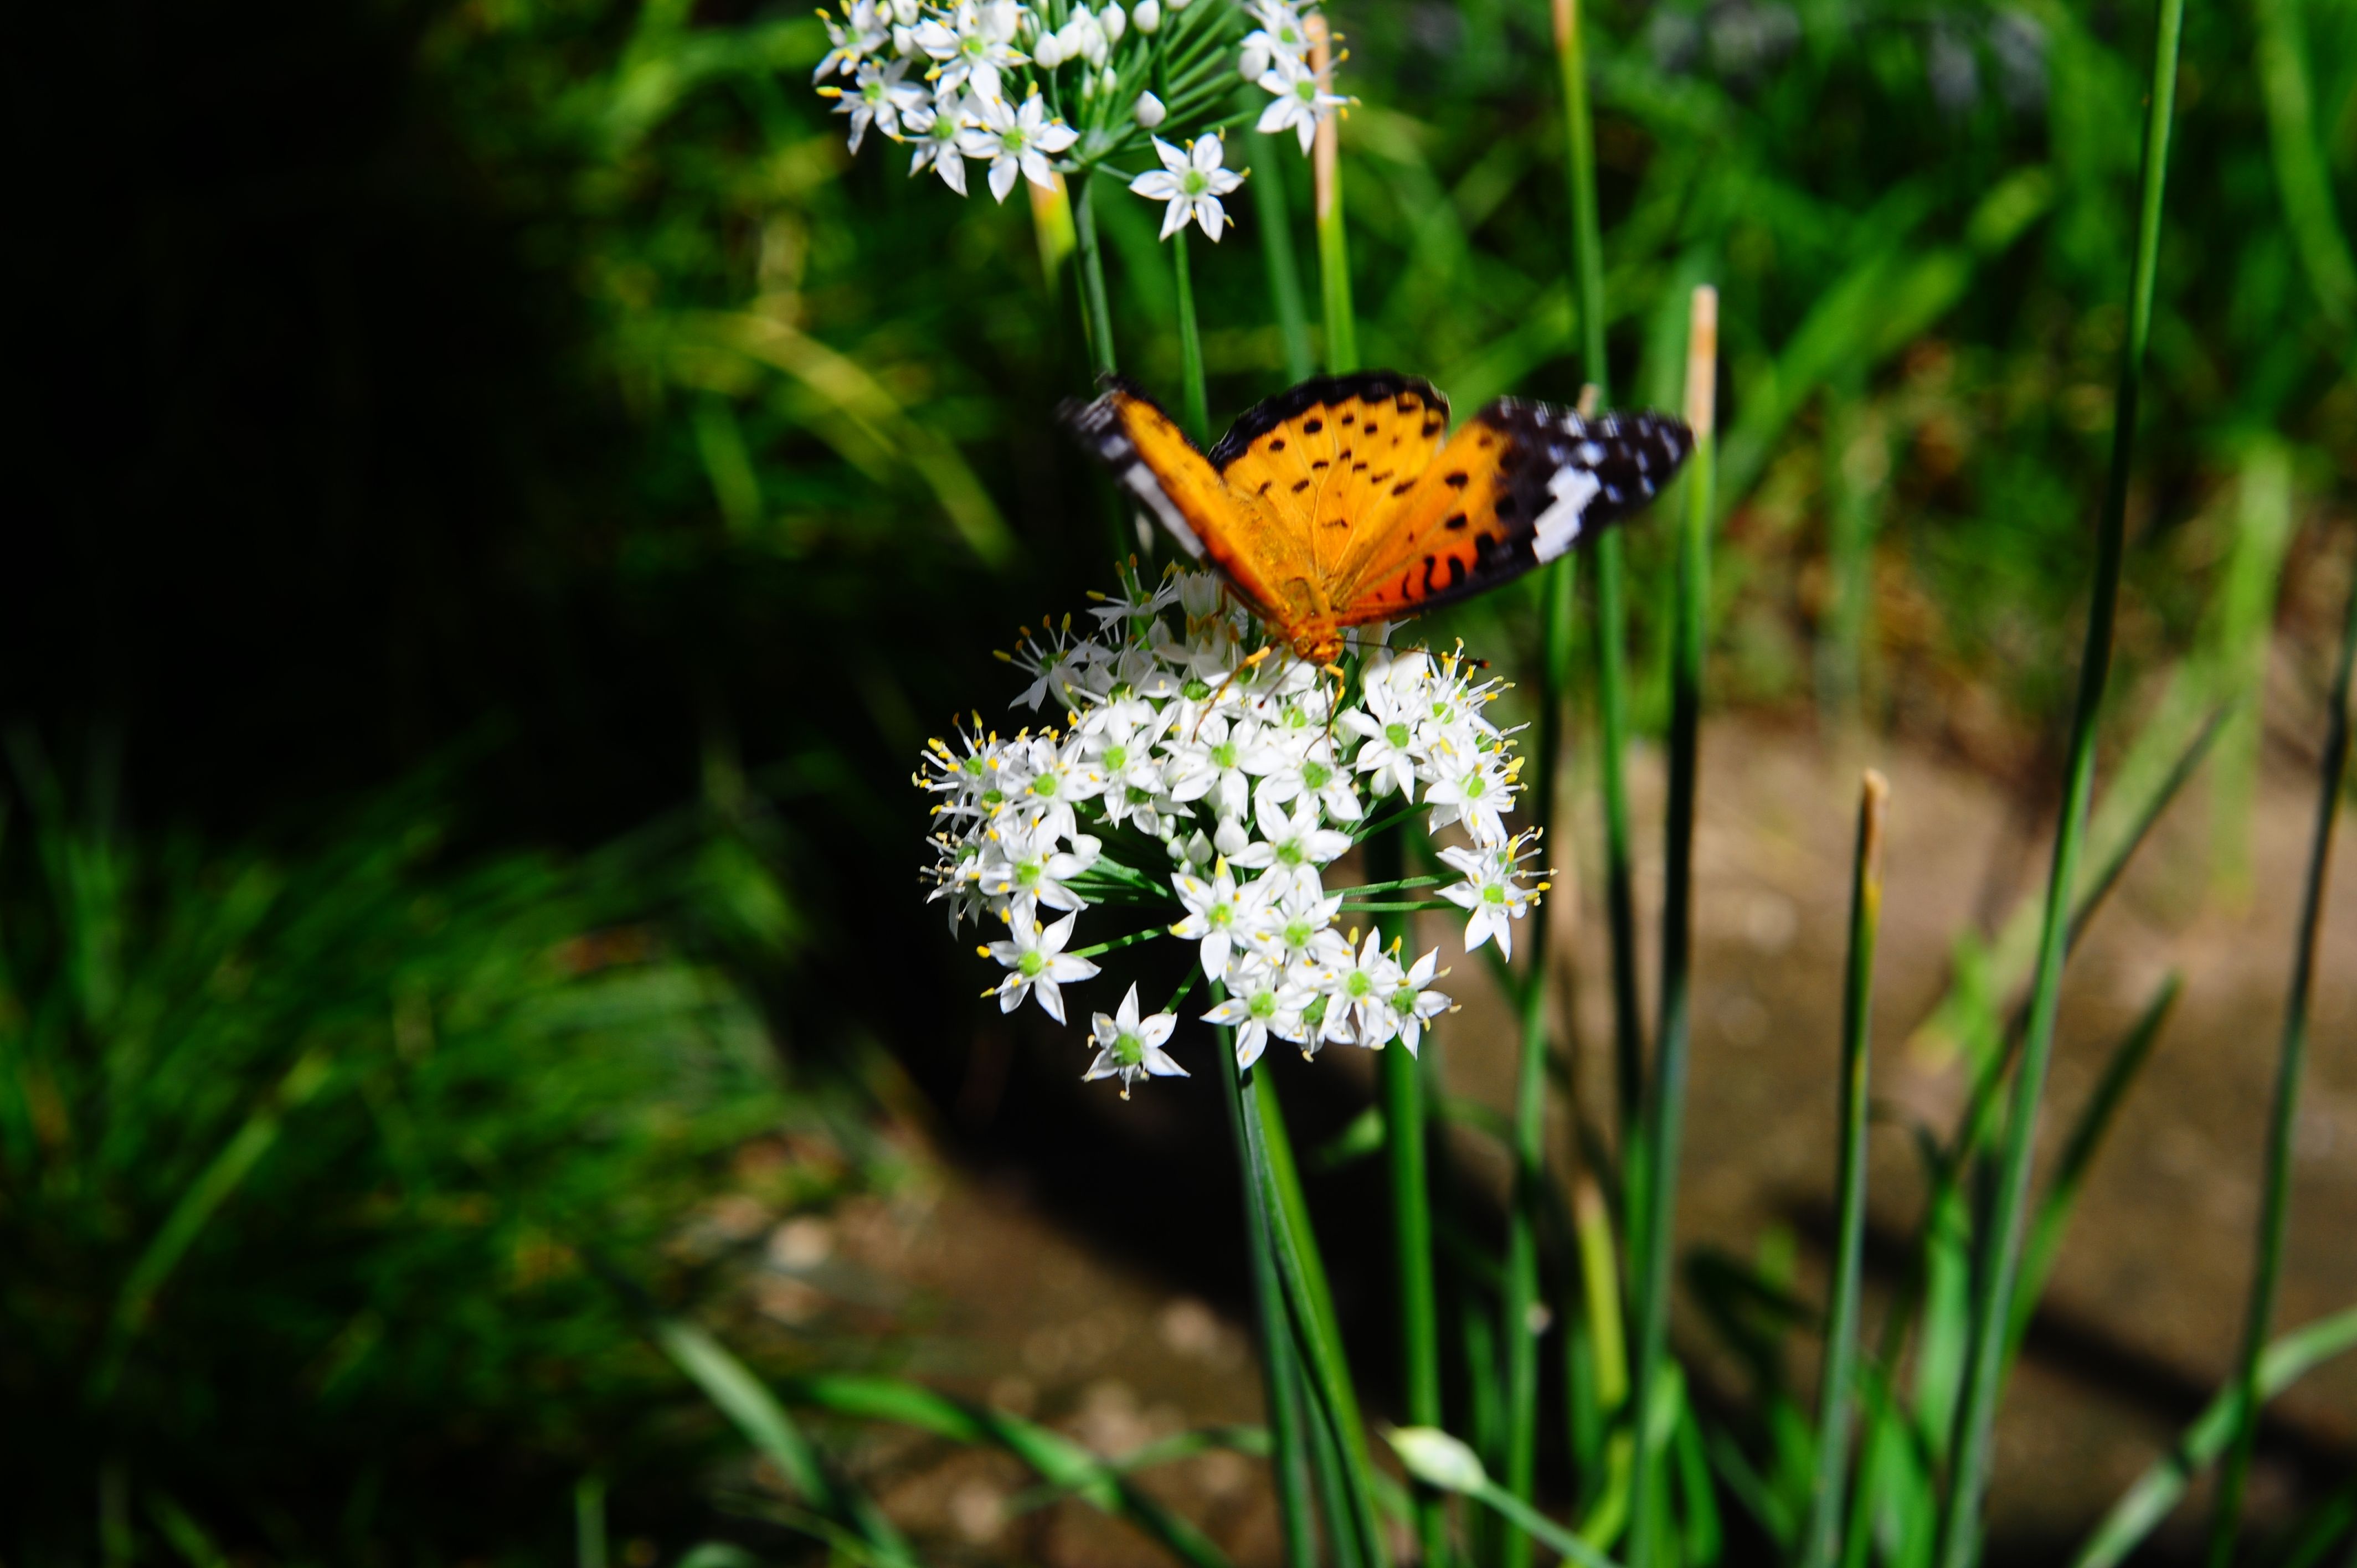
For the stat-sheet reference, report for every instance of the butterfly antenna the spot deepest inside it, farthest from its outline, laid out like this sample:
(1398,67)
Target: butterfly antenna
(1265,649)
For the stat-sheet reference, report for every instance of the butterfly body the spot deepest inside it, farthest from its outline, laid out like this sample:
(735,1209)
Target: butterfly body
(1347,500)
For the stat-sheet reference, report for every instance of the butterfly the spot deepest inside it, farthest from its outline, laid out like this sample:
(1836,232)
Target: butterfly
(1347,500)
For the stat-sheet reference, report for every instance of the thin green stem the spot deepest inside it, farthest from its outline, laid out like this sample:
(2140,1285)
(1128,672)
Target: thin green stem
(1521,1307)
(1993,1308)
(2275,1200)
(1328,1369)
(1403,1143)
(1096,315)
(1822,1545)
(1191,397)
(1665,1104)
(1333,240)
(1288,1463)
(1284,270)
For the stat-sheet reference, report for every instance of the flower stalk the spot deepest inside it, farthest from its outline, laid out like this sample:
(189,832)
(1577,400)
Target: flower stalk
(1822,1545)
(2275,1194)
(1665,1104)
(1333,241)
(2001,1251)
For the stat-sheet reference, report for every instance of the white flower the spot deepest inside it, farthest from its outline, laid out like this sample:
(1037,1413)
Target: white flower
(1219,915)
(1359,994)
(1148,111)
(860,34)
(1216,764)
(1299,104)
(973,46)
(1029,867)
(1036,959)
(1296,934)
(936,132)
(1056,778)
(1467,786)
(1253,64)
(1147,15)
(1292,846)
(1281,32)
(1191,182)
(1083,37)
(878,97)
(1130,1047)
(1048,52)
(1313,773)
(1260,1002)
(1055,660)
(1018,142)
(1413,1006)
(1491,896)
(1387,724)
(1114,23)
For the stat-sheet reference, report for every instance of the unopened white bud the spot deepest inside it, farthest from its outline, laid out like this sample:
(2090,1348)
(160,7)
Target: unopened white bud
(1149,109)
(1178,5)
(1437,1459)
(1255,64)
(1048,52)
(905,12)
(999,19)
(1147,15)
(1114,23)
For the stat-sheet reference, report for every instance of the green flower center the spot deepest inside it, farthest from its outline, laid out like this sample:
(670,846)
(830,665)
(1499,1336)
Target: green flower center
(1358,984)
(973,46)
(1044,785)
(1404,1001)
(1031,965)
(994,796)
(1225,754)
(1475,788)
(1493,895)
(1192,183)
(1315,1014)
(1396,734)
(1297,934)
(1027,873)
(1290,853)
(1128,1049)
(973,765)
(1219,916)
(1306,89)
(1117,756)
(1264,1005)
(1195,691)
(1317,775)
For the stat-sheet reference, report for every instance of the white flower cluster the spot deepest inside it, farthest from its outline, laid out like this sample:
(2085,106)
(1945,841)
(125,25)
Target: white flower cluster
(994,82)
(1192,745)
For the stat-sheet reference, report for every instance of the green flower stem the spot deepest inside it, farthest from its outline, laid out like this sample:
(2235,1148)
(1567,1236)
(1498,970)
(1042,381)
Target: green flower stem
(1117,943)
(1993,1305)
(1822,1545)
(1326,1370)
(1096,316)
(2275,1200)
(1403,883)
(1279,1365)
(1191,397)
(1403,1143)
(1521,1306)
(1611,617)
(1665,1104)
(1333,241)
(1284,270)
(1601,1296)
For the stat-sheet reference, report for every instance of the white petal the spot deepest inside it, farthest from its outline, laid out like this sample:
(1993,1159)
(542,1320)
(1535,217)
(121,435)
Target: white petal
(1205,154)
(1051,999)
(1157,1029)
(1160,1064)
(1210,216)
(1174,218)
(1004,171)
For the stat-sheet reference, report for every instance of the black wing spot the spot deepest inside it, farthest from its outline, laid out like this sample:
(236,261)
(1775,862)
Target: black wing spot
(1381,478)
(1432,427)
(1456,521)
(1456,481)
(1358,467)
(1277,444)
(1431,562)
(1321,463)
(1265,483)
(1299,485)
(1312,426)
(1402,487)
(1370,427)
(1350,418)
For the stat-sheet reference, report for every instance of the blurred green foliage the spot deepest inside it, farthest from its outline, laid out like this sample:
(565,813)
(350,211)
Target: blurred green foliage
(333,1185)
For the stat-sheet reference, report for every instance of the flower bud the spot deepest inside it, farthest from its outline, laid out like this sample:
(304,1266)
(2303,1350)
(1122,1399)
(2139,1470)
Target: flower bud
(1149,109)
(999,19)
(1147,15)
(906,11)
(1114,23)
(1437,1459)
(1110,83)
(1048,52)
(1178,5)
(1255,64)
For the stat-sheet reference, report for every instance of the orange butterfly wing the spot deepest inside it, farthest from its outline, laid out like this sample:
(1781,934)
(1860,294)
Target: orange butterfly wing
(1344,500)
(1518,486)
(1153,459)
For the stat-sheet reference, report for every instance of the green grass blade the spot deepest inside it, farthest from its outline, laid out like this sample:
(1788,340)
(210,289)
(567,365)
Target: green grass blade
(1333,239)
(203,1199)
(2267,1269)
(1284,272)
(1822,1546)
(1993,1306)
(2079,1153)
(1665,1103)
(748,1403)
(1096,314)
(2149,1500)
